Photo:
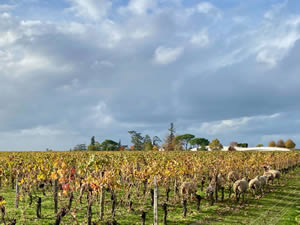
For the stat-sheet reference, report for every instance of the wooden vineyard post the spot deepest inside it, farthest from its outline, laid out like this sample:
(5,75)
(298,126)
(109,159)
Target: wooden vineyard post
(60,215)
(198,197)
(143,216)
(39,208)
(12,181)
(155,203)
(152,197)
(229,190)
(102,198)
(55,195)
(216,186)
(113,205)
(202,183)
(17,190)
(165,209)
(184,202)
(211,198)
(222,189)
(70,201)
(167,193)
(175,189)
(89,209)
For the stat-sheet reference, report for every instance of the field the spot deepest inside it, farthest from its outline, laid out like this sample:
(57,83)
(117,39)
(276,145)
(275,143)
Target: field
(122,184)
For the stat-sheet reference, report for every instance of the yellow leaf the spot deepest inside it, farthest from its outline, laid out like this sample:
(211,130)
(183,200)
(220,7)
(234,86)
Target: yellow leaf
(2,202)
(54,176)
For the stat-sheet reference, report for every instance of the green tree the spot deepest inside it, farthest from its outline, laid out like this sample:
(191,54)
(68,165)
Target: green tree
(92,147)
(148,146)
(169,140)
(290,144)
(147,139)
(243,145)
(215,145)
(203,148)
(80,147)
(147,143)
(199,142)
(109,145)
(119,144)
(177,144)
(260,145)
(137,140)
(97,146)
(185,139)
(280,144)
(93,140)
(155,141)
(172,132)
(272,144)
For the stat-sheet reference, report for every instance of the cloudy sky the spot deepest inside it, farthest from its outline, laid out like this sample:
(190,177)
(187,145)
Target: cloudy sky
(71,69)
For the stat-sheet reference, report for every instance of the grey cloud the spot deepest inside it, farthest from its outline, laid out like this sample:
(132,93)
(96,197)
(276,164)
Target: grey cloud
(98,78)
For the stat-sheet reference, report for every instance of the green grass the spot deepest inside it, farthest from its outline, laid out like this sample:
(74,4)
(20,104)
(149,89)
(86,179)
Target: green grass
(280,205)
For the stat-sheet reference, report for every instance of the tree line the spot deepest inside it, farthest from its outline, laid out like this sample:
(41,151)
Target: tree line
(171,142)
(283,144)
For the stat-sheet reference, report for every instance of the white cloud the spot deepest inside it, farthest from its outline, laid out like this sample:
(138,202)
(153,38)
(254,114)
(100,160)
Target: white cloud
(41,131)
(97,56)
(141,6)
(227,126)
(267,57)
(140,34)
(6,7)
(5,15)
(239,19)
(30,23)
(74,28)
(208,8)
(276,45)
(164,55)
(28,63)
(200,39)
(91,9)
(293,21)
(223,126)
(7,38)
(276,8)
(105,63)
(38,138)
(205,7)
(72,86)
(111,33)
(99,116)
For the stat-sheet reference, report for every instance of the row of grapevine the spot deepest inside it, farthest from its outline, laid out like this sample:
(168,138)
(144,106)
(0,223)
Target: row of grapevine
(88,183)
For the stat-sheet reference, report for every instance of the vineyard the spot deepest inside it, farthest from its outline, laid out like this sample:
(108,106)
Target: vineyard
(121,187)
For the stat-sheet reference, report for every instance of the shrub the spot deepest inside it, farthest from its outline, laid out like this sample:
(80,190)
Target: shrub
(272,144)
(92,147)
(155,148)
(202,148)
(280,144)
(215,145)
(243,145)
(231,148)
(290,144)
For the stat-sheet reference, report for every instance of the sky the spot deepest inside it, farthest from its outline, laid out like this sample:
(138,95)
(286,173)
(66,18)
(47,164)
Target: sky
(72,69)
